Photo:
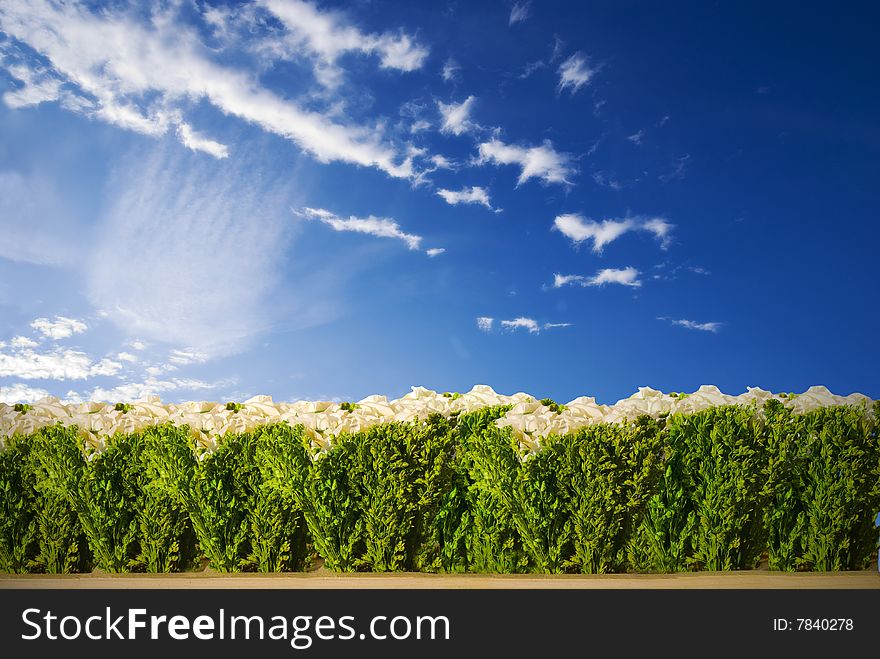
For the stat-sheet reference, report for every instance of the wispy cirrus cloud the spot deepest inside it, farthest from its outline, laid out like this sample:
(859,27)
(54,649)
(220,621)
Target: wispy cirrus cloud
(186,357)
(472,195)
(636,138)
(541,162)
(580,229)
(328,35)
(456,116)
(530,68)
(519,12)
(574,73)
(449,72)
(530,325)
(607,180)
(628,276)
(677,170)
(194,140)
(142,75)
(694,325)
(380,227)
(189,250)
(151,386)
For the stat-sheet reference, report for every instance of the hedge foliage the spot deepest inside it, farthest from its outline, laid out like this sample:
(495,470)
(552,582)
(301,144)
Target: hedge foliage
(722,489)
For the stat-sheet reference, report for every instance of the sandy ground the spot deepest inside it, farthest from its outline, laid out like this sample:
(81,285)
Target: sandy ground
(325,580)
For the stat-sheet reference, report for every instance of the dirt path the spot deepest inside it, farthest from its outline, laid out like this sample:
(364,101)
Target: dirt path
(323,580)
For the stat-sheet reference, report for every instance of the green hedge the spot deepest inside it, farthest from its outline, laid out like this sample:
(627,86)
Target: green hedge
(722,489)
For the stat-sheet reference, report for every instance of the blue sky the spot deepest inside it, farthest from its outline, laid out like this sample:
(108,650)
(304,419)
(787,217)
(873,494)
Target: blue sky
(329,200)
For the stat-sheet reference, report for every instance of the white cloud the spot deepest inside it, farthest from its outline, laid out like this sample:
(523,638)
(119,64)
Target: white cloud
(126,357)
(579,229)
(435,251)
(152,386)
(541,162)
(139,77)
(36,86)
(456,116)
(519,12)
(184,357)
(442,162)
(137,345)
(58,364)
(60,328)
(23,342)
(563,280)
(574,72)
(21,393)
(521,323)
(327,35)
(636,138)
(678,168)
(197,142)
(607,180)
(450,70)
(660,228)
(472,195)
(691,324)
(374,226)
(558,46)
(190,249)
(624,276)
(484,323)
(530,68)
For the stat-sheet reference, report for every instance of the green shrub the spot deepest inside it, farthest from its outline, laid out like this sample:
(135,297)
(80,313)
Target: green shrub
(576,503)
(321,489)
(840,495)
(279,540)
(608,473)
(785,519)
(715,490)
(370,501)
(18,508)
(725,471)
(167,542)
(102,490)
(524,488)
(474,529)
(62,547)
(212,488)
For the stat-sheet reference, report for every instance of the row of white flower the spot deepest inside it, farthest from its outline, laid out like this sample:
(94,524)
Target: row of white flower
(530,420)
